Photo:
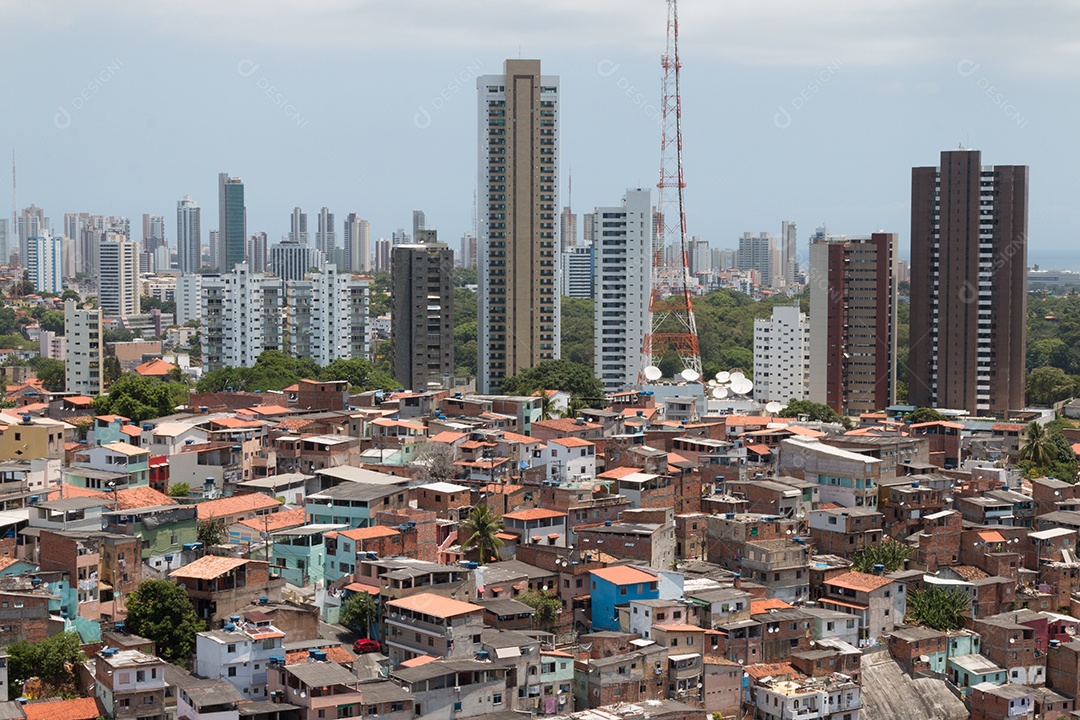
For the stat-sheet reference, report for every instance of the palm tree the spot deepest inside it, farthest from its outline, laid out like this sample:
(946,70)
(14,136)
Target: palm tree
(1037,447)
(480,532)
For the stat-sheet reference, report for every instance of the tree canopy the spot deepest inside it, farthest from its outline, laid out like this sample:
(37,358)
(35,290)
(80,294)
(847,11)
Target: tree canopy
(479,533)
(51,373)
(925,414)
(547,605)
(360,374)
(1048,385)
(815,412)
(571,377)
(54,660)
(938,608)
(359,612)
(160,611)
(140,398)
(273,370)
(888,553)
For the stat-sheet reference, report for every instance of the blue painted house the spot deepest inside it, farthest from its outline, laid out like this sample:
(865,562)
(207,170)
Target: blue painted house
(614,586)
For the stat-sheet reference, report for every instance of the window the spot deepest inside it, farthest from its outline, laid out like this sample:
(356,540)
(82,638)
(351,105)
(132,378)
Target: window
(140,676)
(230,648)
(496,699)
(232,671)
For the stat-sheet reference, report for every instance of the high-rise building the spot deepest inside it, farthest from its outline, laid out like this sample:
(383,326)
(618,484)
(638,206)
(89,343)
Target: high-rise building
(153,228)
(467,259)
(567,228)
(258,252)
(5,241)
(419,222)
(788,248)
(326,236)
(382,254)
(782,355)
(699,253)
(188,236)
(588,228)
(318,320)
(298,231)
(290,260)
(400,237)
(188,298)
(853,318)
(579,271)
(519,323)
(357,243)
(621,317)
(241,317)
(969,285)
(422,314)
(45,263)
(232,222)
(32,223)
(360,326)
(118,276)
(758,253)
(725,259)
(84,350)
(214,247)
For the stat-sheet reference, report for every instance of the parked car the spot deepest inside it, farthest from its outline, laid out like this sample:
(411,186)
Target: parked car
(366,645)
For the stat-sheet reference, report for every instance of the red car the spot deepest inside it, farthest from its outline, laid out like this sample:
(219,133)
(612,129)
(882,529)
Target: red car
(365,645)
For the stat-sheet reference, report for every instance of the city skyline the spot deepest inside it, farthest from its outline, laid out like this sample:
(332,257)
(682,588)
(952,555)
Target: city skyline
(799,148)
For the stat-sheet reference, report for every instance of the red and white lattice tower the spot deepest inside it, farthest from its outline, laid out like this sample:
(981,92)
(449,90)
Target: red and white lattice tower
(674,329)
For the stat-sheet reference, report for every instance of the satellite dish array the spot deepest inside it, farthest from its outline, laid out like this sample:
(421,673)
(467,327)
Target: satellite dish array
(653,373)
(733,383)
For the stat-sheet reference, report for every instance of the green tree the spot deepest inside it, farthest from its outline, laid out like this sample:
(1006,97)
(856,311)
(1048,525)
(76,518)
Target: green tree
(359,612)
(360,374)
(925,414)
(479,533)
(179,490)
(815,412)
(139,398)
(273,370)
(939,608)
(1036,447)
(571,377)
(578,330)
(465,276)
(160,611)
(889,553)
(210,532)
(53,321)
(111,369)
(1048,385)
(70,295)
(117,335)
(53,659)
(547,605)
(51,374)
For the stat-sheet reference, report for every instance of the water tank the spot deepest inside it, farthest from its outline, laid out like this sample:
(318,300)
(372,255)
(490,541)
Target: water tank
(607,523)
(879,569)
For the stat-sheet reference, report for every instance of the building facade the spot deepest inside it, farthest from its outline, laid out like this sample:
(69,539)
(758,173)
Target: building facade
(969,289)
(232,223)
(84,350)
(45,263)
(623,287)
(782,355)
(242,317)
(118,276)
(422,312)
(519,323)
(357,244)
(188,236)
(853,313)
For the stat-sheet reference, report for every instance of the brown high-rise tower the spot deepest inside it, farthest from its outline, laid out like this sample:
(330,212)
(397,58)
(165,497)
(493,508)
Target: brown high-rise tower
(968,285)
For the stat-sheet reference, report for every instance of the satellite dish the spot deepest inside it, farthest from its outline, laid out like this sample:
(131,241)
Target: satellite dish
(741,387)
(719,392)
(690,375)
(653,373)
(736,377)
(773,407)
(723,376)
(712,383)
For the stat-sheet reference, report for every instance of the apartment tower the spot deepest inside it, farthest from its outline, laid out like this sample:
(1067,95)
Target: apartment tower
(422,313)
(519,321)
(853,322)
(232,223)
(968,285)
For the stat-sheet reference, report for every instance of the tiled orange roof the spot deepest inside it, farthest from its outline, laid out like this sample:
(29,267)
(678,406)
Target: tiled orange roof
(506,536)
(763,670)
(141,497)
(683,627)
(804,431)
(859,581)
(232,423)
(623,575)
(79,400)
(503,488)
(369,533)
(282,520)
(270,410)
(514,437)
(743,420)
(418,661)
(155,368)
(361,587)
(446,436)
(434,605)
(76,709)
(759,449)
(1007,427)
(534,514)
(131,431)
(572,442)
(334,653)
(7,561)
(992,536)
(208,567)
(112,418)
(761,606)
(969,572)
(476,445)
(296,423)
(619,472)
(942,423)
(565,425)
(235,504)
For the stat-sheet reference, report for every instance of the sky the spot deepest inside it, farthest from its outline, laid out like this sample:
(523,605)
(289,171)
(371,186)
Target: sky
(810,112)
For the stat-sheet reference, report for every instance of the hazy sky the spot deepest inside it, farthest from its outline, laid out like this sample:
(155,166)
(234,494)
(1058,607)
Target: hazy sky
(808,111)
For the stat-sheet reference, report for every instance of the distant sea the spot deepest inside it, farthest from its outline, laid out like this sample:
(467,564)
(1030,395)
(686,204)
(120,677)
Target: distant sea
(1055,261)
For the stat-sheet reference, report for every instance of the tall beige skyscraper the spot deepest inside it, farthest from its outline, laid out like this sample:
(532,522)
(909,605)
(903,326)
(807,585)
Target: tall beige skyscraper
(118,276)
(519,192)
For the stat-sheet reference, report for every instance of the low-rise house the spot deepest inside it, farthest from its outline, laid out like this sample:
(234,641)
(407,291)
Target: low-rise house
(456,688)
(636,676)
(130,684)
(113,466)
(1002,702)
(537,525)
(355,504)
(429,624)
(322,690)
(240,653)
(615,586)
(220,587)
(844,531)
(878,602)
(208,700)
(299,554)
